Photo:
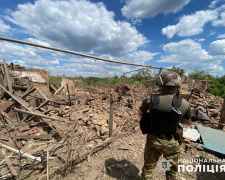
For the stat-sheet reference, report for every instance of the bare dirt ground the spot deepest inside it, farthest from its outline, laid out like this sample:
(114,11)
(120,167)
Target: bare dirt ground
(123,160)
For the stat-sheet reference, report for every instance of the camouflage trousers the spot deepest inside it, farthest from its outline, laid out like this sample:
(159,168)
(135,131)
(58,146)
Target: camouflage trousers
(154,148)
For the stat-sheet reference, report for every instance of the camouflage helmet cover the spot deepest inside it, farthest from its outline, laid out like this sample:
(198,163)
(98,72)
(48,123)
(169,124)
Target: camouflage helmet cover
(168,78)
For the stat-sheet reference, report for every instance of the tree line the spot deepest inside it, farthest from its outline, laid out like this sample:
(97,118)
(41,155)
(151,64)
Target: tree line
(216,83)
(144,76)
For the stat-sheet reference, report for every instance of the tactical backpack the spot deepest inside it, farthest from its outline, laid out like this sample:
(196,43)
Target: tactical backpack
(161,119)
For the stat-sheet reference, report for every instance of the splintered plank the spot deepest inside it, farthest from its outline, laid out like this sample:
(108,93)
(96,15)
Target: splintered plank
(18,99)
(58,126)
(13,171)
(60,89)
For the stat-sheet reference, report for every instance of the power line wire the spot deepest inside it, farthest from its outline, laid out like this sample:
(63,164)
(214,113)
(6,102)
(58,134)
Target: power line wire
(76,53)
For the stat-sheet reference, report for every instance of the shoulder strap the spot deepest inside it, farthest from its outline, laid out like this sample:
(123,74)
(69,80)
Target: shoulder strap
(176,102)
(154,99)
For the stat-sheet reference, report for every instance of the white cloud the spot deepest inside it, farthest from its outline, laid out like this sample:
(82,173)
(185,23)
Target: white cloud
(11,50)
(138,9)
(138,57)
(37,49)
(211,33)
(214,3)
(77,25)
(201,40)
(217,47)
(221,21)
(98,68)
(61,63)
(191,24)
(89,67)
(189,55)
(24,54)
(3,27)
(221,36)
(54,62)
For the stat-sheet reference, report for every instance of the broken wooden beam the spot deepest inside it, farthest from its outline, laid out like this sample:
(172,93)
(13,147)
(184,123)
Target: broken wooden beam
(46,137)
(7,176)
(60,89)
(43,95)
(22,124)
(18,99)
(16,87)
(52,87)
(21,153)
(13,171)
(39,115)
(58,125)
(25,95)
(190,95)
(1,162)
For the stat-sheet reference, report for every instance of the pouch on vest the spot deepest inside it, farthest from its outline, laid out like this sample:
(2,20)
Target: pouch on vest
(145,123)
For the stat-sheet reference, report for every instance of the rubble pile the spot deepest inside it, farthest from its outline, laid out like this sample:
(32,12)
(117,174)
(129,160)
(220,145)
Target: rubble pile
(47,129)
(62,126)
(195,91)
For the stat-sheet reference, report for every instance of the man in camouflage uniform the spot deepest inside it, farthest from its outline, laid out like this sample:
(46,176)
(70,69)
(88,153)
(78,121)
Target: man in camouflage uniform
(163,143)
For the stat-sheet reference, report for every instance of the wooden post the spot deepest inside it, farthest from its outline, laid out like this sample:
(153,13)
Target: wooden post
(222,115)
(111,116)
(47,165)
(3,73)
(68,93)
(6,73)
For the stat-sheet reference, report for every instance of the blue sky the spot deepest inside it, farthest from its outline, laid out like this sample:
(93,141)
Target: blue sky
(189,34)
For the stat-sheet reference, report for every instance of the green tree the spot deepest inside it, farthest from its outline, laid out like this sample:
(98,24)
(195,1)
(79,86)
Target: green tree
(178,70)
(201,75)
(145,72)
(216,84)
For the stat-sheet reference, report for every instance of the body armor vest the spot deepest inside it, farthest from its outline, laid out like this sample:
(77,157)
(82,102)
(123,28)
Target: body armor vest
(165,119)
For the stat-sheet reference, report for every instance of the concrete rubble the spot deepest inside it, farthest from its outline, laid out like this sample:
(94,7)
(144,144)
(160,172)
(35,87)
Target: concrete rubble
(48,129)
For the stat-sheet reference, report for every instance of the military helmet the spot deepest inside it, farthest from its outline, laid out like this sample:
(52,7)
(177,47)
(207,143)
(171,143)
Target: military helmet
(168,78)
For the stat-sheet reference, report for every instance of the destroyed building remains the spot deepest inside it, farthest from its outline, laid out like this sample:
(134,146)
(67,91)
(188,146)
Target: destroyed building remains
(52,129)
